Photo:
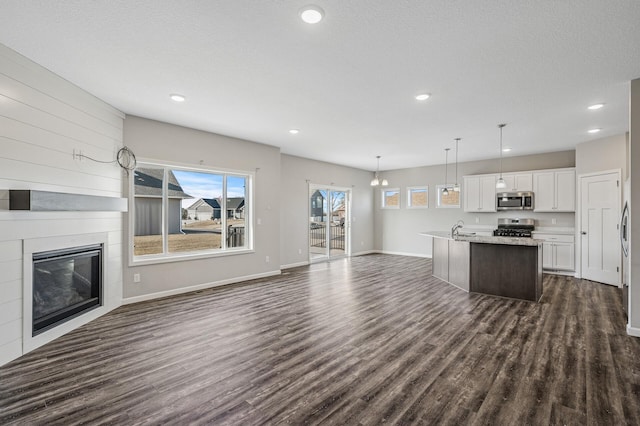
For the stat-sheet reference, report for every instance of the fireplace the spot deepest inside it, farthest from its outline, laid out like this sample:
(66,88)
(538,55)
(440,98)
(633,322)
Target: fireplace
(66,283)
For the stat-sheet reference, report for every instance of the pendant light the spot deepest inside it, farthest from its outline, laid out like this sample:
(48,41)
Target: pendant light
(501,184)
(376,178)
(445,191)
(456,187)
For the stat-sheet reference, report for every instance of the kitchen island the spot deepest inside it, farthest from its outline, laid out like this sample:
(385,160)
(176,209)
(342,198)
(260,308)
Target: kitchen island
(500,266)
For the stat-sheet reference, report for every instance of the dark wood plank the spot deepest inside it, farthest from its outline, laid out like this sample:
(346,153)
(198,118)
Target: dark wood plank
(369,340)
(506,270)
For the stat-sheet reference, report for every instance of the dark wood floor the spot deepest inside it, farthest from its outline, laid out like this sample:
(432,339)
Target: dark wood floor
(369,340)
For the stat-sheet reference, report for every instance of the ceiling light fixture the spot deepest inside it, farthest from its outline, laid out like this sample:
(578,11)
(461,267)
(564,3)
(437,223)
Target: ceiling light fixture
(311,14)
(445,190)
(506,149)
(177,98)
(456,187)
(376,177)
(423,96)
(501,184)
(294,131)
(595,106)
(594,130)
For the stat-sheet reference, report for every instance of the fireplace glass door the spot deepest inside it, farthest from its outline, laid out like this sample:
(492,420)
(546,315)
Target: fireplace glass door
(66,283)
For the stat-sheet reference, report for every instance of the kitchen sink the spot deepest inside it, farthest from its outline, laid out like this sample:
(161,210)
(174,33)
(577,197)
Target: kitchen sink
(466,234)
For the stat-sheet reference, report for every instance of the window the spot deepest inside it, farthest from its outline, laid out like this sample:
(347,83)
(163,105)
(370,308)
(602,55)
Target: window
(180,212)
(391,198)
(450,200)
(417,197)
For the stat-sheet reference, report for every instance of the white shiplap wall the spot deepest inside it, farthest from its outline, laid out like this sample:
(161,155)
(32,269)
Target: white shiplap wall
(43,119)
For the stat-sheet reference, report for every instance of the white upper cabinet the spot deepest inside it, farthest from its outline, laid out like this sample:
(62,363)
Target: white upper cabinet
(555,190)
(480,193)
(517,182)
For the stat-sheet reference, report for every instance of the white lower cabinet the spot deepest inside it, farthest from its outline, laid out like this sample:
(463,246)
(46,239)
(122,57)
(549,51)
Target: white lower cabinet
(558,253)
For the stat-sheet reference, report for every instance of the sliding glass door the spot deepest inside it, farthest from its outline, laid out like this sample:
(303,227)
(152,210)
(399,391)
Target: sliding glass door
(328,222)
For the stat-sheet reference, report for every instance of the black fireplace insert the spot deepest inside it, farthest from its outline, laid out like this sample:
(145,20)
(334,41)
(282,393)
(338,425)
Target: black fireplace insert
(66,283)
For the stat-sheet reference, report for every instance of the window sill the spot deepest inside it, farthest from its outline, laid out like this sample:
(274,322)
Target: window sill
(156,259)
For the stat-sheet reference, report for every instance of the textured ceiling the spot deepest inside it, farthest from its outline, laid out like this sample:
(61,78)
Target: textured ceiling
(252,69)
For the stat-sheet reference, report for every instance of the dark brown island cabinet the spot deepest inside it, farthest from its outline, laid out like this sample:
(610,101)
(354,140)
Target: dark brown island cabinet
(499,266)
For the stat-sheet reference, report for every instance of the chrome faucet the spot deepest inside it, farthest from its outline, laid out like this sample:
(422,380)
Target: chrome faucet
(456,228)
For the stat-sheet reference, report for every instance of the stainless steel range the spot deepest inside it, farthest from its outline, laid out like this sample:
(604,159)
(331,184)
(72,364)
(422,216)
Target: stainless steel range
(514,228)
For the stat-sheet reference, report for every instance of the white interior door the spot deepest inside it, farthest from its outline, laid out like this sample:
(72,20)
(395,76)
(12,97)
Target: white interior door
(600,214)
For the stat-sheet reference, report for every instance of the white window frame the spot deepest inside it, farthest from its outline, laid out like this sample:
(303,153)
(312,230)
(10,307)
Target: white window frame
(166,256)
(383,192)
(414,188)
(439,204)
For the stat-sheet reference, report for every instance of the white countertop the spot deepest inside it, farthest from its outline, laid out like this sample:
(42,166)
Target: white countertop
(514,241)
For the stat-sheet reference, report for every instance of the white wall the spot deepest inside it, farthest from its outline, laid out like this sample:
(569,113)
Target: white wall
(296,175)
(634,247)
(397,229)
(160,141)
(43,119)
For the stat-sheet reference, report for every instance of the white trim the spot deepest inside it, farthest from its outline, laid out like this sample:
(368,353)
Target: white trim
(166,256)
(565,273)
(36,245)
(176,291)
(383,204)
(294,265)
(633,331)
(153,259)
(402,253)
(412,188)
(439,204)
(578,220)
(364,253)
(348,194)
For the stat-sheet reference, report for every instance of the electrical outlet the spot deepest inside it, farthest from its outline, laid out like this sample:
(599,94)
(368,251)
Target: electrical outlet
(477,219)
(136,278)
(362,243)
(299,251)
(553,221)
(259,221)
(266,259)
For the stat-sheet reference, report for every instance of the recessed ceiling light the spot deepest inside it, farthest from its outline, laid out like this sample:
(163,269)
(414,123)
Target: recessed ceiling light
(294,131)
(311,14)
(594,130)
(595,106)
(506,149)
(423,96)
(177,98)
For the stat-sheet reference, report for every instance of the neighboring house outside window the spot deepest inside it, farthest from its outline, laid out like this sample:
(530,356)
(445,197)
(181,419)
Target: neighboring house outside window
(168,224)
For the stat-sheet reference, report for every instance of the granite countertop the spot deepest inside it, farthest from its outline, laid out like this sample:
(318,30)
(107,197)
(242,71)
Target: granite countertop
(484,239)
(556,231)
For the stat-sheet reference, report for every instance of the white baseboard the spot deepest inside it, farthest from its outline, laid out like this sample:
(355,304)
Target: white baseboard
(294,265)
(633,331)
(401,253)
(565,273)
(364,253)
(158,295)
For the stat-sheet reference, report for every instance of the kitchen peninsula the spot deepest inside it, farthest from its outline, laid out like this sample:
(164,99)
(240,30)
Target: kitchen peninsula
(500,266)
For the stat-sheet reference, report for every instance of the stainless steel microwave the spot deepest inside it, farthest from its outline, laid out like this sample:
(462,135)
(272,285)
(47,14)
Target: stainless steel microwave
(514,200)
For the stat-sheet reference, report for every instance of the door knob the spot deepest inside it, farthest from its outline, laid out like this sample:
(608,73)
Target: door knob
(584,232)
